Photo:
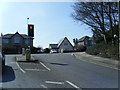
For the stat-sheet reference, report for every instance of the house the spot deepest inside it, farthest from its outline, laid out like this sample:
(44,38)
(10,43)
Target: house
(85,41)
(18,40)
(63,45)
(53,47)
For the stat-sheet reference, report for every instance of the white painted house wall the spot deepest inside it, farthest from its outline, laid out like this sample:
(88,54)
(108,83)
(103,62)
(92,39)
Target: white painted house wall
(65,45)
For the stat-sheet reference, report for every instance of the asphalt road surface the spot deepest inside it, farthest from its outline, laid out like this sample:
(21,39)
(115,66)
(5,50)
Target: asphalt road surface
(57,71)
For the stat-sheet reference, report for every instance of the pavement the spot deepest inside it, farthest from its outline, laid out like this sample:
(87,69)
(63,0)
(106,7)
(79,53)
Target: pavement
(106,62)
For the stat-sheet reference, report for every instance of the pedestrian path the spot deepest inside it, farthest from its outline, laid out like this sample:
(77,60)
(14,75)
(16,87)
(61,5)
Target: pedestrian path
(97,60)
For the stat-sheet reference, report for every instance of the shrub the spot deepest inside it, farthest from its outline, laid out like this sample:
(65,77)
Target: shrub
(46,50)
(113,52)
(81,48)
(11,50)
(69,51)
(104,50)
(92,51)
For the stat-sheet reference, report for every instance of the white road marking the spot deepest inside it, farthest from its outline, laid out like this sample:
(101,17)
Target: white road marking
(29,63)
(45,66)
(51,82)
(43,86)
(20,67)
(72,84)
(34,70)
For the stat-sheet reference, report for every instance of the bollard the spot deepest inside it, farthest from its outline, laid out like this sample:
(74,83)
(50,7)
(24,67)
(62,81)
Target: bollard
(62,50)
(28,56)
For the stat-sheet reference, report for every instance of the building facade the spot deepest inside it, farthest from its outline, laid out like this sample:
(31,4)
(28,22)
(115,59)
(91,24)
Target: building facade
(84,41)
(63,45)
(19,40)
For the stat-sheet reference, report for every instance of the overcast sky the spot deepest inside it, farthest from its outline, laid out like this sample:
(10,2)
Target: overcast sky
(52,21)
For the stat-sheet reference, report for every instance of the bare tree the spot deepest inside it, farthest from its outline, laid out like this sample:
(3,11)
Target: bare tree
(100,16)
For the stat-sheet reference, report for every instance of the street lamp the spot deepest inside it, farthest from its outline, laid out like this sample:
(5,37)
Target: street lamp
(27,23)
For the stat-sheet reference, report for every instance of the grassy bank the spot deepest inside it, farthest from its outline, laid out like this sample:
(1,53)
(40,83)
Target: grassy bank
(103,50)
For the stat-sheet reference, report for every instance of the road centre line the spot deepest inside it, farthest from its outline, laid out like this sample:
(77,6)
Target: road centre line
(73,85)
(20,67)
(45,66)
(51,82)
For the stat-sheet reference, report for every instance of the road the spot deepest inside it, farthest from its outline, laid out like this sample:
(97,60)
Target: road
(57,71)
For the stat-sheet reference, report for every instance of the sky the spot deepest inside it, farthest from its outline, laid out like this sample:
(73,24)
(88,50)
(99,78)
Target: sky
(52,21)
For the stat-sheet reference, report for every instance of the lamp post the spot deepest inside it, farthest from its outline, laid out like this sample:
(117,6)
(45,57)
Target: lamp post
(27,23)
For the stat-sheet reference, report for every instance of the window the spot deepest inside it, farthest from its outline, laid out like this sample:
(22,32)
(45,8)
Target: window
(65,43)
(16,40)
(27,41)
(5,41)
(86,42)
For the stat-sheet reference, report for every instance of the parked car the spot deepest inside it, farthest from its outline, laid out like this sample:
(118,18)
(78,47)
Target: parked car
(53,51)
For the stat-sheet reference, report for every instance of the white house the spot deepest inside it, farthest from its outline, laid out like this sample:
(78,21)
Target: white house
(63,45)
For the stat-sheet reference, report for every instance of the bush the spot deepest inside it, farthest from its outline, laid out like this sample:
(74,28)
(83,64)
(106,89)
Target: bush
(113,52)
(104,50)
(46,50)
(69,51)
(92,51)
(18,50)
(81,48)
(11,50)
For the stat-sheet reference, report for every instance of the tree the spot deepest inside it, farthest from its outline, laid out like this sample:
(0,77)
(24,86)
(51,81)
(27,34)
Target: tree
(100,16)
(113,18)
(46,50)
